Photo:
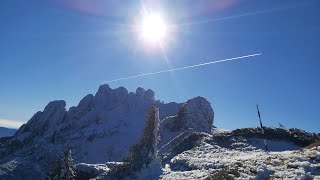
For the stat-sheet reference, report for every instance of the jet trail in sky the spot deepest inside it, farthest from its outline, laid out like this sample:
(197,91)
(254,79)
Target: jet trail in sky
(185,67)
(245,14)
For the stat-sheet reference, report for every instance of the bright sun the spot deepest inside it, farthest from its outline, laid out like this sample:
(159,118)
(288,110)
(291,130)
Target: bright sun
(153,28)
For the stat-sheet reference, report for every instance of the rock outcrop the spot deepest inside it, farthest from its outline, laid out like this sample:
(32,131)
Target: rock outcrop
(196,115)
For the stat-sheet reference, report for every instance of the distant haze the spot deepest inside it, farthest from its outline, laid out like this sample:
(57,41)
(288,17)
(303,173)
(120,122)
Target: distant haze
(10,123)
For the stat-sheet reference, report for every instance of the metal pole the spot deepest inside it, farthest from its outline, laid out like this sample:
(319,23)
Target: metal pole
(262,131)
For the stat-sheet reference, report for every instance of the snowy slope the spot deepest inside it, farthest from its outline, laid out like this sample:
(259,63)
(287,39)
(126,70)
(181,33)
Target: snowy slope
(4,132)
(240,158)
(104,124)
(228,155)
(244,159)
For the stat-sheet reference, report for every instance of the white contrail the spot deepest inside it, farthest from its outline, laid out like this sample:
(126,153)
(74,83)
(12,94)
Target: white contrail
(245,14)
(185,67)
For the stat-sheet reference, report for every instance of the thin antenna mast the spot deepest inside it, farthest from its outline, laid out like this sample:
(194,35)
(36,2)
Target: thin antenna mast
(262,131)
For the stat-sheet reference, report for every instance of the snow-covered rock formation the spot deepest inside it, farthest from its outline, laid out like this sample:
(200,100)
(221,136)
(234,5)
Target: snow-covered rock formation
(196,115)
(101,128)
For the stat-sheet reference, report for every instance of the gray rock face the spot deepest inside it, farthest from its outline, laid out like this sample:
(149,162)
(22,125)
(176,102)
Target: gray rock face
(52,115)
(169,109)
(196,115)
(108,98)
(140,91)
(149,94)
(85,103)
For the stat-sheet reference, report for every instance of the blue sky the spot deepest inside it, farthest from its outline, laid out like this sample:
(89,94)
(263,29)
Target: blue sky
(65,49)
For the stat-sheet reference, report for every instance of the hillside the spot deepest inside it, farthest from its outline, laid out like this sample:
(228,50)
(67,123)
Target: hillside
(228,155)
(220,156)
(110,137)
(4,132)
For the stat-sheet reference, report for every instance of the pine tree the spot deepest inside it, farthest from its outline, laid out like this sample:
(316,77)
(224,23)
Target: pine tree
(145,151)
(179,120)
(54,173)
(63,169)
(142,153)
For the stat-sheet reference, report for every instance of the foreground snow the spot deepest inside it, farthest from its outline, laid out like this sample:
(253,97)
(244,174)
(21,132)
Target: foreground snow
(226,156)
(243,161)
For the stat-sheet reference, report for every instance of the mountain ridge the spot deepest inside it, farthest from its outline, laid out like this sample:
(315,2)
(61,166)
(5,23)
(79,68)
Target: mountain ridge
(5,132)
(99,129)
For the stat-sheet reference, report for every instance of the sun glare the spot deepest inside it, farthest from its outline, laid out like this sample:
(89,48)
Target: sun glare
(153,28)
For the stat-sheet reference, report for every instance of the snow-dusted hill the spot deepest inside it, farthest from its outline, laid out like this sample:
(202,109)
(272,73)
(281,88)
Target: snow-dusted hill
(243,158)
(4,132)
(100,129)
(227,155)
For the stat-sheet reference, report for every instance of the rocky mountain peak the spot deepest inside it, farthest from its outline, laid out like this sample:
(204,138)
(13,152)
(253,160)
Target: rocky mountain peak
(104,88)
(195,115)
(140,91)
(55,105)
(147,94)
(85,102)
(198,114)
(107,97)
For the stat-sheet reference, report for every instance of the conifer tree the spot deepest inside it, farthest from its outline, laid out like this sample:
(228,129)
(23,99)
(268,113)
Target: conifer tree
(142,153)
(63,169)
(145,151)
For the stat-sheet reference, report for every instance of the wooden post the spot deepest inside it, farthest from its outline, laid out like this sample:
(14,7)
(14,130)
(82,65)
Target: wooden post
(262,131)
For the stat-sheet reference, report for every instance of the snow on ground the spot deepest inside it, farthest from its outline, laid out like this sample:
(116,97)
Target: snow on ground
(219,130)
(186,175)
(236,157)
(273,145)
(244,160)
(18,168)
(92,168)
